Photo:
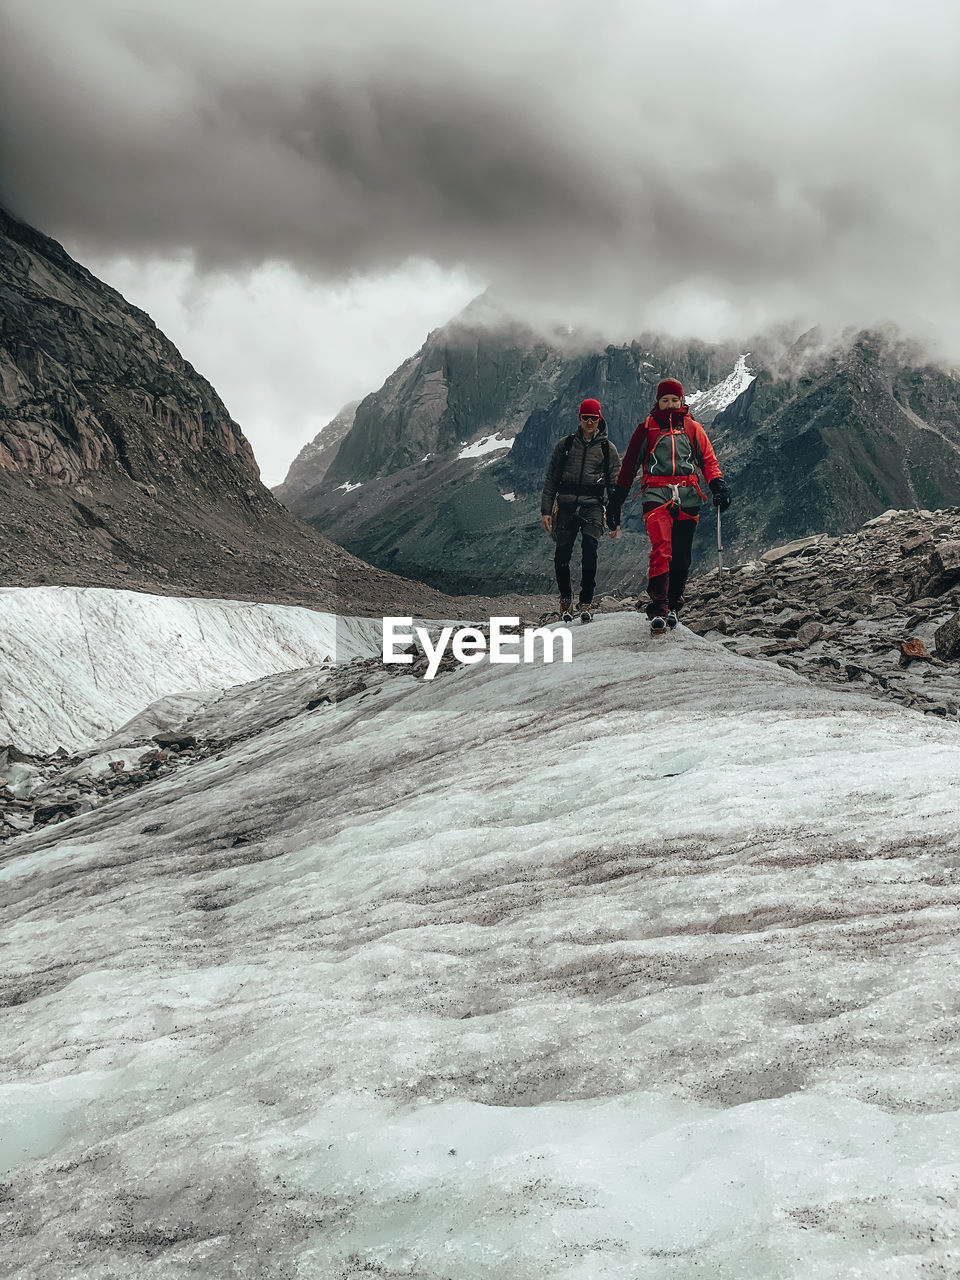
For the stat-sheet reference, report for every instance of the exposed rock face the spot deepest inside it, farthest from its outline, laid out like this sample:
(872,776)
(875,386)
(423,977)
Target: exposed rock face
(816,441)
(878,608)
(121,467)
(822,442)
(313,461)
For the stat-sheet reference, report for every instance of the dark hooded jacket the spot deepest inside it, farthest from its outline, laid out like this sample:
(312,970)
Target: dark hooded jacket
(582,476)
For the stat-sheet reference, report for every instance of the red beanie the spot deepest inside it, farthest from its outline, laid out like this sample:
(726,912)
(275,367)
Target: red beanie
(591,406)
(669,387)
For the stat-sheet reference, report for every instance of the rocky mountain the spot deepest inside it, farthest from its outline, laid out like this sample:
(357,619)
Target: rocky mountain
(439,479)
(821,441)
(120,465)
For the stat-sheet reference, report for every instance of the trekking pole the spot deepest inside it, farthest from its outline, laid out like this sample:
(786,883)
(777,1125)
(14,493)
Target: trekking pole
(719,555)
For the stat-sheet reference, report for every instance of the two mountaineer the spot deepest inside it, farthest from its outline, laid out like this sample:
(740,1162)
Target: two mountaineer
(667,448)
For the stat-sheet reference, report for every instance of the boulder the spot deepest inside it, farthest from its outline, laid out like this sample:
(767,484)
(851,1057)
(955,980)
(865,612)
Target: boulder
(947,639)
(910,546)
(885,609)
(798,547)
(809,632)
(913,651)
(944,568)
(176,741)
(947,559)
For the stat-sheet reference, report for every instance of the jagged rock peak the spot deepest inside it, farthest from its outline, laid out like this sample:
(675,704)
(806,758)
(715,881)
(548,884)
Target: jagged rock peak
(313,461)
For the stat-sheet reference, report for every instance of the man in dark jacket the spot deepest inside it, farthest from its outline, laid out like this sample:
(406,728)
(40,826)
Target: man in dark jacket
(581,468)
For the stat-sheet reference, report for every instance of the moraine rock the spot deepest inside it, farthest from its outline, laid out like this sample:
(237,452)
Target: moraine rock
(850,609)
(789,549)
(947,639)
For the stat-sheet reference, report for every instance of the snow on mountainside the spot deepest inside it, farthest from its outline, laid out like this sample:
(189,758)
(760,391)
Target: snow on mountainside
(488,444)
(76,662)
(531,971)
(707,404)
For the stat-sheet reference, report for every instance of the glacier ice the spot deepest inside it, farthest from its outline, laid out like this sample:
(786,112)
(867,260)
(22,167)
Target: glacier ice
(641,966)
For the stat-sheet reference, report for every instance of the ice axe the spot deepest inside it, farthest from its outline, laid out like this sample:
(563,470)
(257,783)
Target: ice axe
(719,554)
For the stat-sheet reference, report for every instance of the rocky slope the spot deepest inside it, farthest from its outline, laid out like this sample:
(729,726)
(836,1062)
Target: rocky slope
(120,465)
(812,438)
(879,608)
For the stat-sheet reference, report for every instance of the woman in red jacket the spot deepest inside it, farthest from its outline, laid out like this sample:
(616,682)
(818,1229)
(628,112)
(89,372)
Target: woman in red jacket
(668,446)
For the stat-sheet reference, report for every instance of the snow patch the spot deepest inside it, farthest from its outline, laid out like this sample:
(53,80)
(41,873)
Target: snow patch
(489,444)
(723,393)
(509,497)
(347,487)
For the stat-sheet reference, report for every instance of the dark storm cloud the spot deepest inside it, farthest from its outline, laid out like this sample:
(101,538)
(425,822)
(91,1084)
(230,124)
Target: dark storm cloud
(741,162)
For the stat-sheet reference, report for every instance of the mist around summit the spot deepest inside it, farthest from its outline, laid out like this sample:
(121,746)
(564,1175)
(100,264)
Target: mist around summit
(695,170)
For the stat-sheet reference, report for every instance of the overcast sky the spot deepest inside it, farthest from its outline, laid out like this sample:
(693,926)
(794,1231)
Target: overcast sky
(297,191)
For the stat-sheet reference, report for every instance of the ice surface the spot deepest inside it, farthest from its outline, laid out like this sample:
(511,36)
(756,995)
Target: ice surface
(646,966)
(76,662)
(488,444)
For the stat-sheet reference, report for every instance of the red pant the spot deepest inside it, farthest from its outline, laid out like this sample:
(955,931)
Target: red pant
(671,531)
(659,522)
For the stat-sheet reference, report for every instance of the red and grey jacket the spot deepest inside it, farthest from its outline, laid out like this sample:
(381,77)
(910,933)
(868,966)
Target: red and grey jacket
(667,448)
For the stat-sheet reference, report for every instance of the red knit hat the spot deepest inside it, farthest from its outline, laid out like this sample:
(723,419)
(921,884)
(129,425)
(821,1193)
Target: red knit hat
(669,387)
(591,406)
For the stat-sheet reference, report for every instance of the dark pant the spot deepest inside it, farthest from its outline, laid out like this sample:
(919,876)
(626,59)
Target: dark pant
(585,518)
(671,531)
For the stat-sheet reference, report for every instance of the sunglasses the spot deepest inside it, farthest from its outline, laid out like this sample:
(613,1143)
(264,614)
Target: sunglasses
(589,417)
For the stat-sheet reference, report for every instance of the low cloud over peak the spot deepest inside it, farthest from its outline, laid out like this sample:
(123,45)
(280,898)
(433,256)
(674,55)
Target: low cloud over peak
(692,166)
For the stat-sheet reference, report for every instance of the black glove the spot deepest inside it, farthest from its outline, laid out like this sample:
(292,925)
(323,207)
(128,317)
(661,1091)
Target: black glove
(721,494)
(615,507)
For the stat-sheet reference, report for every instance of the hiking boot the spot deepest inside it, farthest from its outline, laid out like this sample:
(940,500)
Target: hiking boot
(585,610)
(566,612)
(658,626)
(672,619)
